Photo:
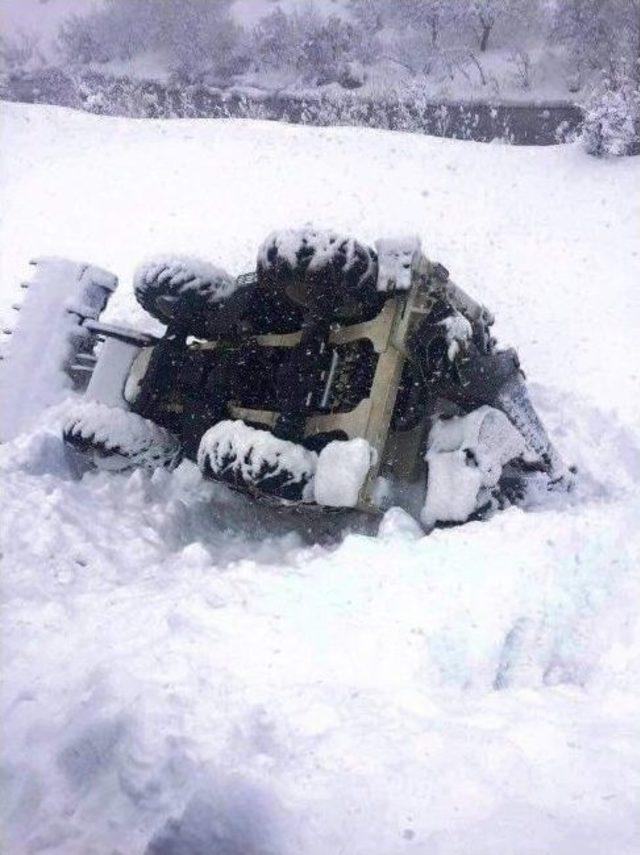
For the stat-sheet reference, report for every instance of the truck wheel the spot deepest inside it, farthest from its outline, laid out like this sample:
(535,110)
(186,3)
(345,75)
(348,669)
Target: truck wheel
(116,440)
(324,271)
(257,462)
(466,458)
(180,288)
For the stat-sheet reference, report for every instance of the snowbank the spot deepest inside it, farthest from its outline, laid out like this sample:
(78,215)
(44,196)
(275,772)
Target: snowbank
(185,671)
(34,360)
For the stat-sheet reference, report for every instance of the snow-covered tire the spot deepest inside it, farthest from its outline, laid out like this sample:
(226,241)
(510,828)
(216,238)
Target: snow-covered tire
(117,440)
(181,287)
(38,358)
(466,457)
(311,268)
(257,462)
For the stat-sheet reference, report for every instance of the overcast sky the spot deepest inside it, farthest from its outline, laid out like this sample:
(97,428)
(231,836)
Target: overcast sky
(40,16)
(44,16)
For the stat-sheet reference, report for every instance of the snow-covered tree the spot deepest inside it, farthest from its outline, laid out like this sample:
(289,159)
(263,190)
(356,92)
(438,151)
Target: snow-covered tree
(276,40)
(425,15)
(612,118)
(484,15)
(453,24)
(80,40)
(198,35)
(417,17)
(320,48)
(188,35)
(599,35)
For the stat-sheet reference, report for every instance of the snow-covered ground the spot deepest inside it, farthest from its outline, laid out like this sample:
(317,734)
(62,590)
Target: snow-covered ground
(186,672)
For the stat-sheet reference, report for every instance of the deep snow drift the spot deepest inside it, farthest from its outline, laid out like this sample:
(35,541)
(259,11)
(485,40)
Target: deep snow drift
(185,672)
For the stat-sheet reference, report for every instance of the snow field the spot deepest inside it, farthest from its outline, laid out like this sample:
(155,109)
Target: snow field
(186,671)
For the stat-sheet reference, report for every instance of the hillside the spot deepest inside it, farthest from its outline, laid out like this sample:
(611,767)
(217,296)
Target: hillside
(183,667)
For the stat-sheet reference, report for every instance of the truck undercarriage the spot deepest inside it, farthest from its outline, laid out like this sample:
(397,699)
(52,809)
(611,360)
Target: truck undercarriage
(333,376)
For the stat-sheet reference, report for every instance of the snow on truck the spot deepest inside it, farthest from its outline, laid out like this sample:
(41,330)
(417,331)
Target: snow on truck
(333,376)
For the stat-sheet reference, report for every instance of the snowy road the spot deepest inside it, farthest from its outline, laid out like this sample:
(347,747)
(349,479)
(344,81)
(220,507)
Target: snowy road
(184,672)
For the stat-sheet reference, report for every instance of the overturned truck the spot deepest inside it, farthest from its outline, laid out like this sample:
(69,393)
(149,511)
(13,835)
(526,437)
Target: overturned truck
(333,376)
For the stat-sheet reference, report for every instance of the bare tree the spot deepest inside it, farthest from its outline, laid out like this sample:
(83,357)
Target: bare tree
(423,15)
(483,16)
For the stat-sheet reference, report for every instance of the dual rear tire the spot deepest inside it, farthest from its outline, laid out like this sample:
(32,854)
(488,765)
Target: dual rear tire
(302,270)
(182,289)
(323,272)
(112,439)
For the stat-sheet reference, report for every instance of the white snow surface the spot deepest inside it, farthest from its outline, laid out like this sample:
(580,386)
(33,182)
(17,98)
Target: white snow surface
(182,666)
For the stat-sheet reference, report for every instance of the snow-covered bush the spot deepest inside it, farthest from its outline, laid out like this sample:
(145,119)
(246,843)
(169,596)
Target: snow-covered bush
(328,46)
(612,119)
(352,75)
